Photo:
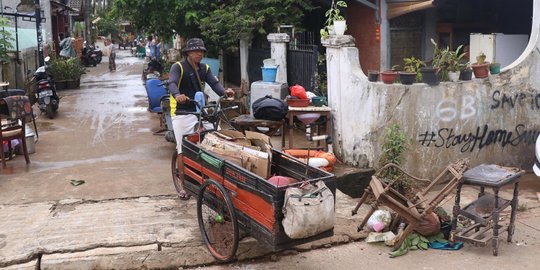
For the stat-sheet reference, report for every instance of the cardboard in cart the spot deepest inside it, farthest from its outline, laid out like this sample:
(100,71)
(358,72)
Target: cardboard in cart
(252,152)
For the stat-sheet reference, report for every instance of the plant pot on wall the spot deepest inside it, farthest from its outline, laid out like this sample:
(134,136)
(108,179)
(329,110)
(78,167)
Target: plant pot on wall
(453,76)
(373,75)
(430,76)
(465,74)
(388,77)
(495,68)
(480,70)
(407,78)
(339,27)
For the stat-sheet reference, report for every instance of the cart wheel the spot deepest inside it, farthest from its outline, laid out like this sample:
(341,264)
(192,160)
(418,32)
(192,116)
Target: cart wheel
(176,176)
(217,221)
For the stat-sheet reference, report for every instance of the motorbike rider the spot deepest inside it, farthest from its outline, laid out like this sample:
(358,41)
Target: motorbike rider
(185,79)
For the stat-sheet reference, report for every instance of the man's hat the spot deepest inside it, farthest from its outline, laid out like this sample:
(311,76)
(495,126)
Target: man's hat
(194,44)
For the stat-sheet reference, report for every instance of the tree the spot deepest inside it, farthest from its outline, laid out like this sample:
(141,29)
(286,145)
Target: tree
(108,25)
(220,23)
(5,41)
(229,20)
(163,16)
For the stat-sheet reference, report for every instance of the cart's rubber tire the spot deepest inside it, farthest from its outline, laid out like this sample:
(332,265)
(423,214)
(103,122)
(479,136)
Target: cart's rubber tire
(176,176)
(217,221)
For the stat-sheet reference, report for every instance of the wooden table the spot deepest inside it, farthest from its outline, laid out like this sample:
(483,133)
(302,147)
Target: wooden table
(294,111)
(247,122)
(486,209)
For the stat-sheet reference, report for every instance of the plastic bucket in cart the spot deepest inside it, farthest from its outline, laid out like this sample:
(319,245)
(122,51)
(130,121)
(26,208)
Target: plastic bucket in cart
(269,74)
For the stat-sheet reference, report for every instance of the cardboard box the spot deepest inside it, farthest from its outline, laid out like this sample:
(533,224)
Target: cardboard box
(252,152)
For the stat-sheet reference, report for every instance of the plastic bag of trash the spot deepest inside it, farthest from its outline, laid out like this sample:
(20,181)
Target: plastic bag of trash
(379,220)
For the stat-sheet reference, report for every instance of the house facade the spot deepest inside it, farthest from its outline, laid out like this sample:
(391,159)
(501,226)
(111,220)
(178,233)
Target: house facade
(386,31)
(491,120)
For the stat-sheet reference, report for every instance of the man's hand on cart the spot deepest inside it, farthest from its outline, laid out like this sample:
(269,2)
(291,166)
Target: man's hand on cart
(229,93)
(182,99)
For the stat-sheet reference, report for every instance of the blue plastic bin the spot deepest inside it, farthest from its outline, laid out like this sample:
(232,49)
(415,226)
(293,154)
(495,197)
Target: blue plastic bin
(269,74)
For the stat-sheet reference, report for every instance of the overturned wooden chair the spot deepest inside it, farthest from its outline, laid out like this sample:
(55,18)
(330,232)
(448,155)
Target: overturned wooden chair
(413,210)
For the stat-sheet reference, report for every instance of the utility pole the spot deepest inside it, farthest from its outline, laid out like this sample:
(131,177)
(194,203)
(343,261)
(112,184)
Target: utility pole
(41,61)
(87,7)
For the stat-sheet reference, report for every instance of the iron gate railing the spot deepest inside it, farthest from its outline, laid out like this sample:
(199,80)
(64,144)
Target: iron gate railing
(302,65)
(255,62)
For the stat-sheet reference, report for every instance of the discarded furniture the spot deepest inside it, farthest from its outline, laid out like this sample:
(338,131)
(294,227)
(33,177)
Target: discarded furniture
(294,112)
(14,111)
(412,210)
(485,211)
(247,122)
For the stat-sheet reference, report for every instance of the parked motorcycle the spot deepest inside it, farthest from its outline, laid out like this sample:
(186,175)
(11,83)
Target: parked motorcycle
(536,166)
(98,52)
(46,96)
(88,56)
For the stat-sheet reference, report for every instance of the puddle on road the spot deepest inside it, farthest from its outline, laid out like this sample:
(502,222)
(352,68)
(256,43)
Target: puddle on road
(42,166)
(45,126)
(137,109)
(144,130)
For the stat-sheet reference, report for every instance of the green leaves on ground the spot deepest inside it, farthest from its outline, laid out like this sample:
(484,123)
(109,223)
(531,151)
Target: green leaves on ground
(414,241)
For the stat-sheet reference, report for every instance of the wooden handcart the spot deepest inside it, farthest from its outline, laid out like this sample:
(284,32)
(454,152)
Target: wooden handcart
(233,203)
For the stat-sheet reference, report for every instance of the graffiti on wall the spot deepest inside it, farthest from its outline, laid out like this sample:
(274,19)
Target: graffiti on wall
(481,137)
(465,107)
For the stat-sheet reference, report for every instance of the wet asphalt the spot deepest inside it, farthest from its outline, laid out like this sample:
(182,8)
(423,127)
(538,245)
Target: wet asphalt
(102,134)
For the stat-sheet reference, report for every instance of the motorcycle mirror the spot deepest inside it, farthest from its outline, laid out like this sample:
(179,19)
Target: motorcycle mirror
(47,58)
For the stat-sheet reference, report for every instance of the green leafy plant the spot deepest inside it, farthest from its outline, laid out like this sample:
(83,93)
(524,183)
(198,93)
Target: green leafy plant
(414,241)
(393,146)
(62,69)
(454,60)
(481,58)
(6,38)
(413,65)
(332,14)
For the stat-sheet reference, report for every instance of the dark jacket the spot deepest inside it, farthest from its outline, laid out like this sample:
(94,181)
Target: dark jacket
(183,80)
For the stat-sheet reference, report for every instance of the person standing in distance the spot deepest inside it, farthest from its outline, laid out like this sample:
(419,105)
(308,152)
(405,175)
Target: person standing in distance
(185,79)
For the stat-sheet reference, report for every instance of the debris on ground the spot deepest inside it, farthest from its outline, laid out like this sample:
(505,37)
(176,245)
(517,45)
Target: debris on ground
(76,182)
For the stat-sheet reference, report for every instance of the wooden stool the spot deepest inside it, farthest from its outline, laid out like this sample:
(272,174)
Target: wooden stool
(486,209)
(248,122)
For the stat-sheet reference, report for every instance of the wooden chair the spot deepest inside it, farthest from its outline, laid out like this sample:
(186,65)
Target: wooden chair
(412,210)
(14,111)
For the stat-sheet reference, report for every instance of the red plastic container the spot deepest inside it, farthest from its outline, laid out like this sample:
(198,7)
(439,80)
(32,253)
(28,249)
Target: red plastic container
(298,102)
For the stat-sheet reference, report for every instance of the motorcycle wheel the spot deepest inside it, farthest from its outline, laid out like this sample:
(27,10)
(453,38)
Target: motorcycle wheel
(94,62)
(98,59)
(49,111)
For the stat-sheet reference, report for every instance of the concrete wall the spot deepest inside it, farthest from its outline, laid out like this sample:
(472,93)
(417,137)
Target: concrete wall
(493,120)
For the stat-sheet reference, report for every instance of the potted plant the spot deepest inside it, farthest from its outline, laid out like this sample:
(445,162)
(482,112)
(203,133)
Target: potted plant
(454,64)
(66,71)
(430,74)
(389,76)
(465,72)
(494,68)
(411,70)
(334,20)
(373,75)
(481,67)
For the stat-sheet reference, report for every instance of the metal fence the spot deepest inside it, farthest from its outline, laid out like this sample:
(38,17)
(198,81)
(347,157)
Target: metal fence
(302,65)
(255,62)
